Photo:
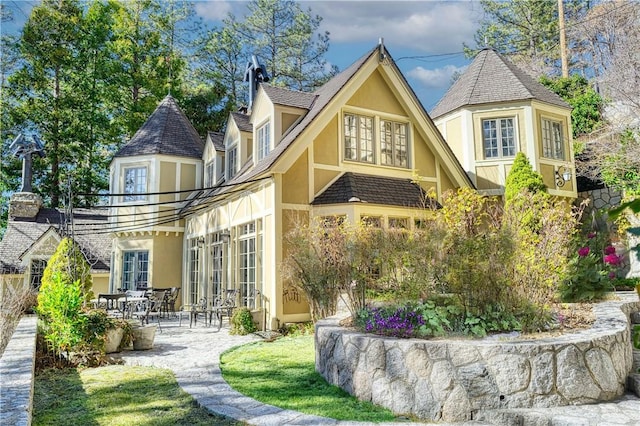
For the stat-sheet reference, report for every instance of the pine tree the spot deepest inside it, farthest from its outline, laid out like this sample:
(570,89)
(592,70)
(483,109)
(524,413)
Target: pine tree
(522,177)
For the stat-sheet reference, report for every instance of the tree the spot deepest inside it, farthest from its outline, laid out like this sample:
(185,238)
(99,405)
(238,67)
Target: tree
(526,31)
(281,33)
(522,177)
(586,102)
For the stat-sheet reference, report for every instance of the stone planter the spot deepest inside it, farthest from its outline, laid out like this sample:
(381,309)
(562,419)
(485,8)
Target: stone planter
(143,337)
(113,337)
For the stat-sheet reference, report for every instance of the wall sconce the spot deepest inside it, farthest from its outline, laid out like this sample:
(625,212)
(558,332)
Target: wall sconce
(200,242)
(563,174)
(225,236)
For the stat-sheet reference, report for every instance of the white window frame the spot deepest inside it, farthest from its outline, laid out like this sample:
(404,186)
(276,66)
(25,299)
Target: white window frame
(264,141)
(36,272)
(232,160)
(137,189)
(394,143)
(358,138)
(193,272)
(130,279)
(553,139)
(209,175)
(503,148)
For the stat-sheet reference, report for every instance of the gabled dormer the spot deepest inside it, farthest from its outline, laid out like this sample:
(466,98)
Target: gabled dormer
(495,110)
(213,158)
(238,143)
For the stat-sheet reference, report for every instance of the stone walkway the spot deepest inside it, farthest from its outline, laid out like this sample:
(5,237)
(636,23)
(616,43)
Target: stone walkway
(193,354)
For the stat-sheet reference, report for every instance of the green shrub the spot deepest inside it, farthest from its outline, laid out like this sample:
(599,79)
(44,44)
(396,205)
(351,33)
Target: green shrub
(65,290)
(522,177)
(242,322)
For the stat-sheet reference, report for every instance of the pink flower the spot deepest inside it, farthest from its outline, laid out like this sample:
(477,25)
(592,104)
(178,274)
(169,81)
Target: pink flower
(609,250)
(583,251)
(591,235)
(612,275)
(612,259)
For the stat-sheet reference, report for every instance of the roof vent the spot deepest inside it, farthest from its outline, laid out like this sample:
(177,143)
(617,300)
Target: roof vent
(255,73)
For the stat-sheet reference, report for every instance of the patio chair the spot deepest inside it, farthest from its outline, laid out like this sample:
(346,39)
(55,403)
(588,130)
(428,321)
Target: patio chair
(223,306)
(197,309)
(150,308)
(172,298)
(114,303)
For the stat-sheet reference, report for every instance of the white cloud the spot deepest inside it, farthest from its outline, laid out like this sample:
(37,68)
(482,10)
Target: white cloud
(437,78)
(427,26)
(213,10)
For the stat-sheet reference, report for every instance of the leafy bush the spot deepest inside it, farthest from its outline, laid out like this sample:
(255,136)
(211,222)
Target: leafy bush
(242,322)
(522,177)
(65,290)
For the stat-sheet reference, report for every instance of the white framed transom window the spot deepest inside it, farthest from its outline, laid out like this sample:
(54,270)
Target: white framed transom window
(264,141)
(135,184)
(552,140)
(499,137)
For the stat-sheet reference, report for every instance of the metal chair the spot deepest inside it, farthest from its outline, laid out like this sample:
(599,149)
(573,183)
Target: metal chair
(172,297)
(200,308)
(150,308)
(114,304)
(223,306)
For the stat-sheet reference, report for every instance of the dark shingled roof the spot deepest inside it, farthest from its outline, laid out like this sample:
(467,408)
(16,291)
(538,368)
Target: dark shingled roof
(166,131)
(242,121)
(355,187)
(492,78)
(218,140)
(292,98)
(21,234)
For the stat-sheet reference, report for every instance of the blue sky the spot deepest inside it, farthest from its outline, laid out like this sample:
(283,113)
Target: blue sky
(424,37)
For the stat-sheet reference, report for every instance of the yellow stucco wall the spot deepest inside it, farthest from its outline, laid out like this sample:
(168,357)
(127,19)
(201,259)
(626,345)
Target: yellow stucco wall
(293,302)
(424,158)
(453,129)
(167,261)
(375,94)
(325,145)
(488,177)
(322,178)
(295,182)
(187,177)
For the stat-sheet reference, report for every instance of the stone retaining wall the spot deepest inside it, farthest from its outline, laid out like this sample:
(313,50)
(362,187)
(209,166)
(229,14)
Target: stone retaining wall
(16,374)
(450,380)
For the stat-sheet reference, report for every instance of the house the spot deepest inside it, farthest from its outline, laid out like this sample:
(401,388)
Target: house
(210,215)
(492,111)
(33,234)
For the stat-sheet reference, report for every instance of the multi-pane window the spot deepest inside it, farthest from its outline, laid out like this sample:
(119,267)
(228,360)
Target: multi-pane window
(552,143)
(247,260)
(216,254)
(232,160)
(193,271)
(393,143)
(209,174)
(358,138)
(498,137)
(264,141)
(398,223)
(36,272)
(373,221)
(135,183)
(135,270)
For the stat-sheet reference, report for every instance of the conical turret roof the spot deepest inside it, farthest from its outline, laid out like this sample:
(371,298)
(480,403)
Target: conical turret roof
(167,131)
(491,78)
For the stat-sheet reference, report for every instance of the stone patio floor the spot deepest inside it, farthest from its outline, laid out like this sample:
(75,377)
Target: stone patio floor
(193,354)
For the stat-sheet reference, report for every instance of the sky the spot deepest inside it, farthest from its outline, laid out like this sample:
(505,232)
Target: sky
(424,37)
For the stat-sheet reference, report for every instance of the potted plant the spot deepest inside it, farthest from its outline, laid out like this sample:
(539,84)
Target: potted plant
(105,333)
(143,336)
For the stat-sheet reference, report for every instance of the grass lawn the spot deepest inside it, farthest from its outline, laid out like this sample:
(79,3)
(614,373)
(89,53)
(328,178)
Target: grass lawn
(282,373)
(116,395)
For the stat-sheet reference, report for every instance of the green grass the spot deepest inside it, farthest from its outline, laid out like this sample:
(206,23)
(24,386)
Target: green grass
(116,395)
(282,373)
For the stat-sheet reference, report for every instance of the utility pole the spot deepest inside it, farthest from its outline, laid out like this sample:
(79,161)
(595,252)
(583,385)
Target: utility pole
(563,41)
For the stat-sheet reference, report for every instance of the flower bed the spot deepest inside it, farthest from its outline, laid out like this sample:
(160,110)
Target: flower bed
(450,380)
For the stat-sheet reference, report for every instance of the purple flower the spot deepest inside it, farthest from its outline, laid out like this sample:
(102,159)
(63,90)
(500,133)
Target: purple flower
(609,250)
(612,275)
(591,235)
(583,251)
(612,259)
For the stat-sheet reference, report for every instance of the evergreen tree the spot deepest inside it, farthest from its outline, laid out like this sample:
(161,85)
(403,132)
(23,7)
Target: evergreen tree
(522,177)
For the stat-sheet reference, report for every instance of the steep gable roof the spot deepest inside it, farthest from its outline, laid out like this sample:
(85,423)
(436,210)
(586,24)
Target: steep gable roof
(286,97)
(492,78)
(242,121)
(356,187)
(217,139)
(166,131)
(91,234)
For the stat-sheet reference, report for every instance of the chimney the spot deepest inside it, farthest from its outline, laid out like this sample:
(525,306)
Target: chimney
(24,205)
